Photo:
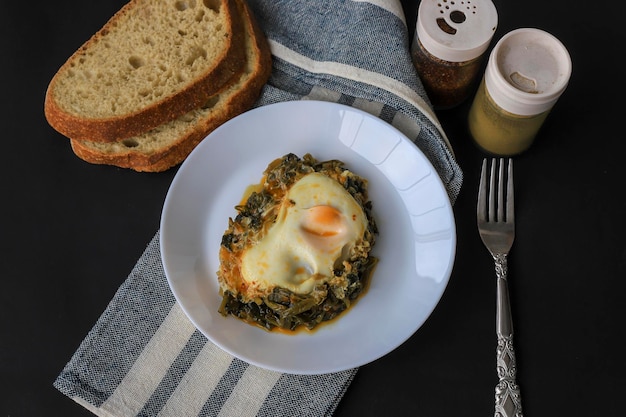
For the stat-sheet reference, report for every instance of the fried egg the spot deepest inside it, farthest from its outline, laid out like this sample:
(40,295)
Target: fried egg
(317,225)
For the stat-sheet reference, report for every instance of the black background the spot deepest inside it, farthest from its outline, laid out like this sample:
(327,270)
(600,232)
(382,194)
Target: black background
(71,232)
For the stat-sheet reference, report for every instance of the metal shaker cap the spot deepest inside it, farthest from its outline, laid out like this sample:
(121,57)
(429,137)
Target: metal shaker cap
(456,30)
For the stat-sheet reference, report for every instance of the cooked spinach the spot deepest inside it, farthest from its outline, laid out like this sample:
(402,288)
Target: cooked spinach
(281,307)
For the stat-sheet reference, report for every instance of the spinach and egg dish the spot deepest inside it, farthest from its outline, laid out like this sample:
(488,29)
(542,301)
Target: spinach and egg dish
(298,252)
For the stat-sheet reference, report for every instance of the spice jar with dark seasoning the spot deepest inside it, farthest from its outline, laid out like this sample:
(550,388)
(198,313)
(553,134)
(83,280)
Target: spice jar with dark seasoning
(527,72)
(451,37)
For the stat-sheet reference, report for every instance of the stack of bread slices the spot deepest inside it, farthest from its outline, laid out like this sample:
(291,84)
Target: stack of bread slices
(157,79)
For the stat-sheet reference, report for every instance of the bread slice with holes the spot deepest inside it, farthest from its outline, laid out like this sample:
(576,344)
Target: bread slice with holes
(169,144)
(152,62)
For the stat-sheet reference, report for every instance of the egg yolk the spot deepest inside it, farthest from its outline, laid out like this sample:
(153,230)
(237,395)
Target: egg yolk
(323,221)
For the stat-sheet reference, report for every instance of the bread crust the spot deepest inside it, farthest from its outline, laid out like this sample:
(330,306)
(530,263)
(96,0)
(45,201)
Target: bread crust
(230,103)
(193,95)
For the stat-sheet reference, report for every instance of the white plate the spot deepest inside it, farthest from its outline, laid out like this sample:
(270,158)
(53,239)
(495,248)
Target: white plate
(416,244)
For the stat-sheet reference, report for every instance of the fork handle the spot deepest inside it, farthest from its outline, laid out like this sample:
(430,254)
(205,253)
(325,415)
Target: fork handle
(508,397)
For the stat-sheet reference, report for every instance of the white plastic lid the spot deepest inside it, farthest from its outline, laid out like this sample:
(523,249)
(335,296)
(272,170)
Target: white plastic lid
(456,30)
(527,71)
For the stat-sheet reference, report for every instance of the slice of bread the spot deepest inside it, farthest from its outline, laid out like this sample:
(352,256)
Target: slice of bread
(152,62)
(169,144)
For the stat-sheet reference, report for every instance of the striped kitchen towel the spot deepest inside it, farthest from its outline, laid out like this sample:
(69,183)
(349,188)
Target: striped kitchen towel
(143,357)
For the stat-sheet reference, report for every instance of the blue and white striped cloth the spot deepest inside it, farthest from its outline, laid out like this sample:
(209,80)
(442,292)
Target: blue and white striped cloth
(144,357)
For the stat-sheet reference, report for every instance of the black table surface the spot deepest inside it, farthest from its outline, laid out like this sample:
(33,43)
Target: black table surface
(71,233)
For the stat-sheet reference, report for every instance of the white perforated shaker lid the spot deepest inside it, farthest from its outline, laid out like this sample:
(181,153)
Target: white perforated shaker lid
(456,30)
(527,71)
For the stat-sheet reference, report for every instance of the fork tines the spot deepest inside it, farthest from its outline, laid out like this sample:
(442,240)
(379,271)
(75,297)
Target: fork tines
(498,205)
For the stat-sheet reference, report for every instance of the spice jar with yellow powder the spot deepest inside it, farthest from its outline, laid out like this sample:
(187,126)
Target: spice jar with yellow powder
(527,71)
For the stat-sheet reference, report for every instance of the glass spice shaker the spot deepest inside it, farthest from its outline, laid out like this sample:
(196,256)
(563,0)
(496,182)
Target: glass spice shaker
(527,71)
(450,39)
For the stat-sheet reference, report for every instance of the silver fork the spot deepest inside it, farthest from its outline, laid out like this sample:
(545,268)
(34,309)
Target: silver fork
(496,224)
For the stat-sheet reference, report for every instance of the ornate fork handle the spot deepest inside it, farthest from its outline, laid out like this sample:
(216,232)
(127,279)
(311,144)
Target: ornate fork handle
(508,398)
